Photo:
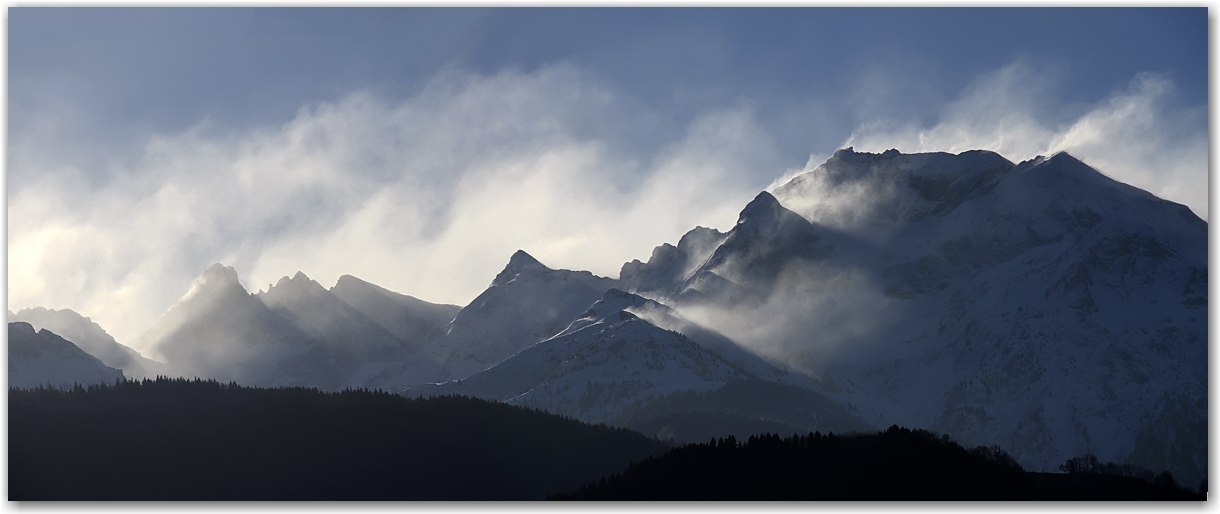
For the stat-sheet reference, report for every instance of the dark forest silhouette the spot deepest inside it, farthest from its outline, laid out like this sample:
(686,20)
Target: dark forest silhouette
(178,439)
(175,439)
(897,464)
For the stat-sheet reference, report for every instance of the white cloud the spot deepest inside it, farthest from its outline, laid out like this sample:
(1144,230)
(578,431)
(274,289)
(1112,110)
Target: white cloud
(1135,136)
(428,196)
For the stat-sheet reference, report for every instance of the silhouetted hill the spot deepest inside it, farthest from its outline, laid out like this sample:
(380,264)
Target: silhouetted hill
(898,464)
(43,358)
(174,439)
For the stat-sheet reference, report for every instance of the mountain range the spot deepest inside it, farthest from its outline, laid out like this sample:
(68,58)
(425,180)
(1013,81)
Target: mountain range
(1039,306)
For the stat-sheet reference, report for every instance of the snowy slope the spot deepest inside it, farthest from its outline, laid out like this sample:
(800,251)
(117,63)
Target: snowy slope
(667,318)
(44,359)
(613,365)
(526,303)
(598,368)
(91,338)
(1040,306)
(670,265)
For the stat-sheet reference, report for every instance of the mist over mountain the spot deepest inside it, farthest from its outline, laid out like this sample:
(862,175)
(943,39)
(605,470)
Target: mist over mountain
(605,360)
(296,333)
(1039,306)
(90,337)
(353,340)
(42,358)
(526,303)
(412,321)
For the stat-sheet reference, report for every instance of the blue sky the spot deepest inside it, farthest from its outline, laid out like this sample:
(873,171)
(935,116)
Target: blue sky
(418,148)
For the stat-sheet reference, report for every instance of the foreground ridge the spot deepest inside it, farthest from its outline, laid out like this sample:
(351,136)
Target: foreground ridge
(897,464)
(179,439)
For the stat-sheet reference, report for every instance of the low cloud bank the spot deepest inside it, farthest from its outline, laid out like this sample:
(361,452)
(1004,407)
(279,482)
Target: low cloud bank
(430,195)
(1135,136)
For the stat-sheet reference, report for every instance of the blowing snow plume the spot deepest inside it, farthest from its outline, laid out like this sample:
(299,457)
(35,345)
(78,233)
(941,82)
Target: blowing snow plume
(422,195)
(1136,135)
(1001,303)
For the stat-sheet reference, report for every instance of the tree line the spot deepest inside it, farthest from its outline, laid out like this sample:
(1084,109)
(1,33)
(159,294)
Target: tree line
(895,464)
(179,439)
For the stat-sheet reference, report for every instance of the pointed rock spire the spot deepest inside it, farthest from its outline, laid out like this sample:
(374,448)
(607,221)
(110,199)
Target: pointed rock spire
(520,261)
(219,274)
(762,207)
(215,281)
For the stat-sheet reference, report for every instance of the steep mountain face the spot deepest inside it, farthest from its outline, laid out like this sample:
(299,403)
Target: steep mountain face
(357,344)
(296,332)
(662,316)
(91,338)
(218,330)
(1039,306)
(413,321)
(526,303)
(43,358)
(767,237)
(670,265)
(613,365)
(598,371)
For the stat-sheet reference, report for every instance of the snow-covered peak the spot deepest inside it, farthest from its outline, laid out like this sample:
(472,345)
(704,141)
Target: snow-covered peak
(1042,305)
(348,282)
(298,285)
(763,209)
(700,240)
(598,372)
(520,262)
(669,264)
(614,301)
(764,216)
(526,303)
(217,281)
(867,191)
(218,274)
(216,300)
(217,285)
(766,236)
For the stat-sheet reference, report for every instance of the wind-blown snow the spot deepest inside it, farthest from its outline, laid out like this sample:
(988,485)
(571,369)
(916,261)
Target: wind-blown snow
(1040,306)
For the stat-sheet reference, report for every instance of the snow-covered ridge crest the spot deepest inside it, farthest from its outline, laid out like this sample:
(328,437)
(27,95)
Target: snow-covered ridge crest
(604,362)
(859,189)
(215,278)
(1040,306)
(519,263)
(526,303)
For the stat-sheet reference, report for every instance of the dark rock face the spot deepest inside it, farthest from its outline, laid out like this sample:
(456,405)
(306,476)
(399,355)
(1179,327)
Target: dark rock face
(44,359)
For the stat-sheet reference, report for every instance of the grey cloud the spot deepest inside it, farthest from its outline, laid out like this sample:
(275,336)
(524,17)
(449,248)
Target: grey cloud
(1137,135)
(425,196)
(428,195)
